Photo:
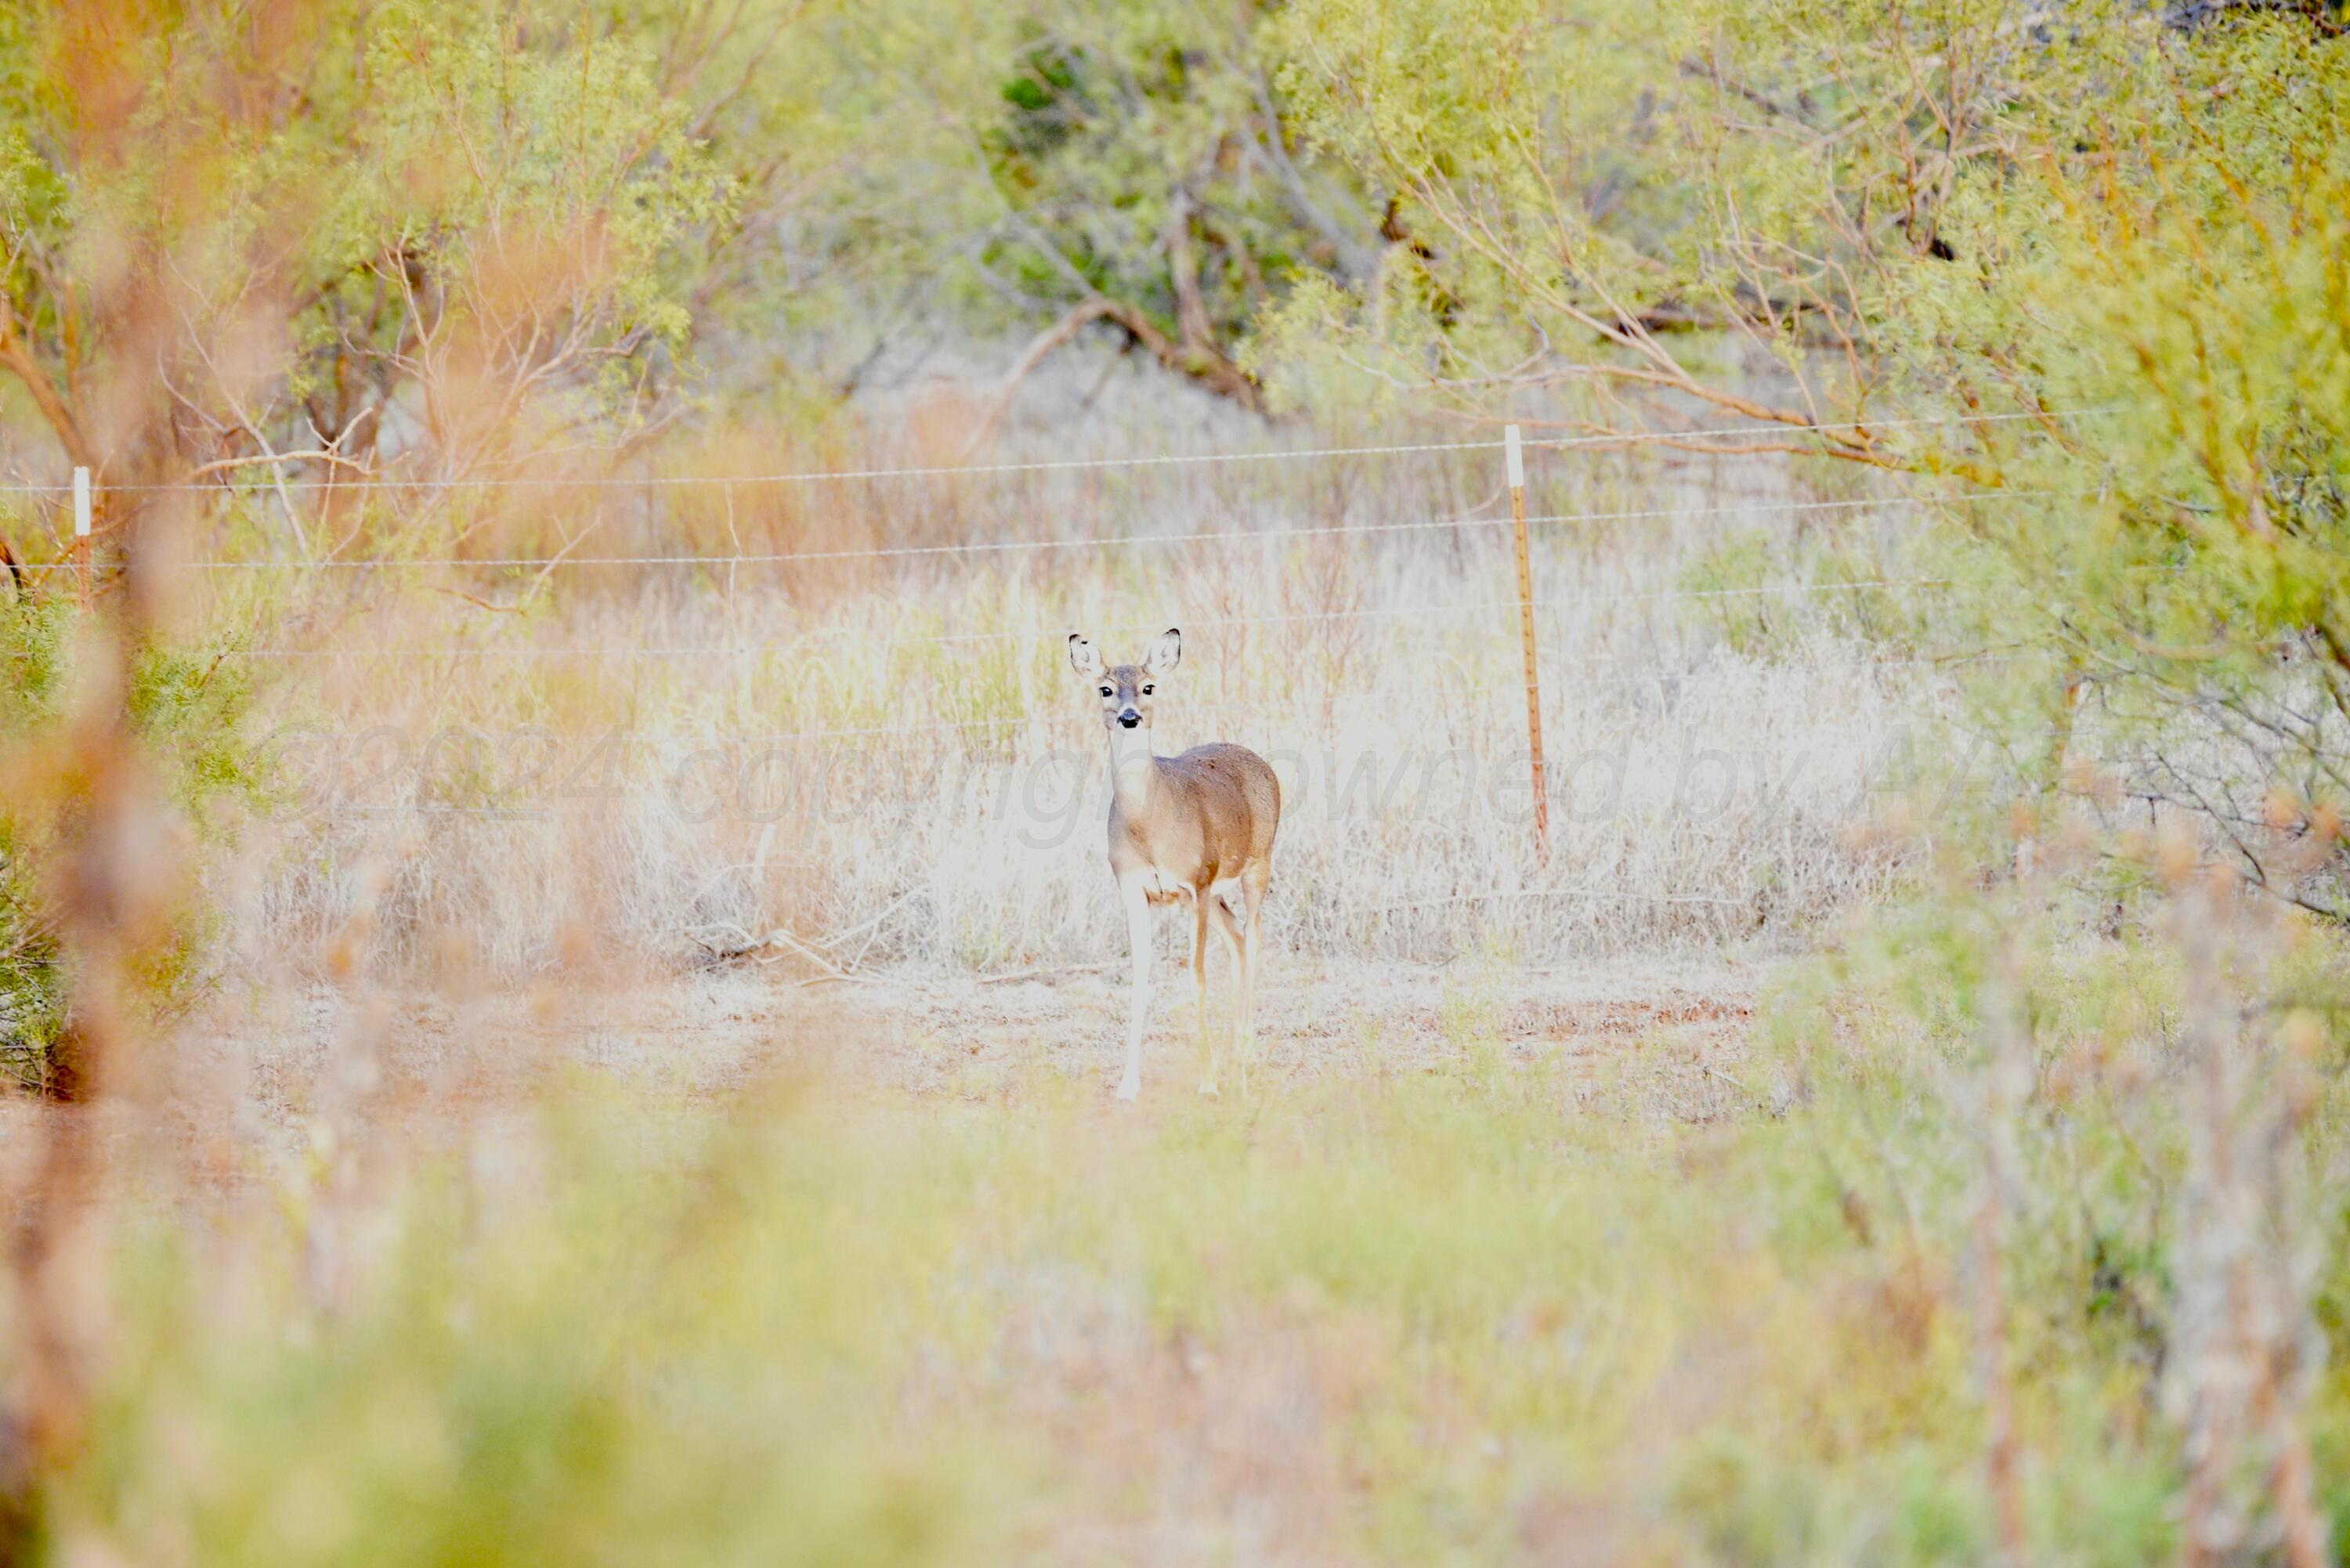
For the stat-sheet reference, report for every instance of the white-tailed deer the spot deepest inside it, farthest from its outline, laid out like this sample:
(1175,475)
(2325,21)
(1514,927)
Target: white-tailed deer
(1198,828)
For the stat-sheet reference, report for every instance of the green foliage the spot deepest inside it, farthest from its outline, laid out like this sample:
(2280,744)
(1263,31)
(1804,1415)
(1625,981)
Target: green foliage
(475,144)
(829,1326)
(531,227)
(1804,213)
(1556,170)
(1139,144)
(515,231)
(486,217)
(2192,282)
(1768,601)
(1895,1042)
(30,983)
(187,711)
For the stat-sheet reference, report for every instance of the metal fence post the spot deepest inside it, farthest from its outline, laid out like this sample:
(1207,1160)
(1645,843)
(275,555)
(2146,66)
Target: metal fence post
(81,530)
(1517,466)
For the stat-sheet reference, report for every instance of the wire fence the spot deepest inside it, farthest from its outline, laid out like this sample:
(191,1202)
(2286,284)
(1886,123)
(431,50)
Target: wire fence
(1229,537)
(1749,431)
(1219,539)
(1284,717)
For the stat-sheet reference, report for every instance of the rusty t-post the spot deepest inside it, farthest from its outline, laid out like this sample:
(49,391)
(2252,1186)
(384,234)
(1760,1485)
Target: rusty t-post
(81,505)
(1517,466)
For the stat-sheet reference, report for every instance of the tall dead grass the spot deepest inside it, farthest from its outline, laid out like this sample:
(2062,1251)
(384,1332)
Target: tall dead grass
(886,757)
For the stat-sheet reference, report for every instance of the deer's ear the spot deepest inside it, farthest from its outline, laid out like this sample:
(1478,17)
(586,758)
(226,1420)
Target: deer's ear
(1166,652)
(1083,656)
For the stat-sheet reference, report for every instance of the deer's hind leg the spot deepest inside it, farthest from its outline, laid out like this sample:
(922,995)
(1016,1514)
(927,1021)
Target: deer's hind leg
(1202,900)
(1230,922)
(1254,880)
(1228,925)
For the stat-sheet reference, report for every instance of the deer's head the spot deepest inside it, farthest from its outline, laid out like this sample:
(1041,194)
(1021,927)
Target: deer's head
(1125,691)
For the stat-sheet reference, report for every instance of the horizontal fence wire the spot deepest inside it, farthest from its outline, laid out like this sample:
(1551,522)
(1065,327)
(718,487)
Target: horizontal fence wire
(1753,429)
(1114,541)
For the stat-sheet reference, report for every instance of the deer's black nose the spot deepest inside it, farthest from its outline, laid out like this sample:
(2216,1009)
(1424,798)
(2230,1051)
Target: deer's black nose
(1130,718)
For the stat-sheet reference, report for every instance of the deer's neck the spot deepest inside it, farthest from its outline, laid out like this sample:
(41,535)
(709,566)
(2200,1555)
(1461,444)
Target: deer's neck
(1133,769)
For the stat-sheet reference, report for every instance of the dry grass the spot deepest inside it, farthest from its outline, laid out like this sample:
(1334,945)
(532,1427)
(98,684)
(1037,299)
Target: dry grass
(1144,1408)
(477,1209)
(899,767)
(1494,1265)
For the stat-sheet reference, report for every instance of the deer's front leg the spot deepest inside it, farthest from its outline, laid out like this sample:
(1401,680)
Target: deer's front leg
(1137,938)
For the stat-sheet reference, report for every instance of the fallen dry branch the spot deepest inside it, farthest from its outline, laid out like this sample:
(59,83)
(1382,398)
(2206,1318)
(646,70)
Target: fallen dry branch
(1204,363)
(1046,972)
(746,946)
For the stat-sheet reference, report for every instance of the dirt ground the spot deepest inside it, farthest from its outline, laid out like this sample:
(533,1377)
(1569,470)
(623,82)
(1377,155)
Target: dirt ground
(939,1033)
(256,1073)
(1188,1452)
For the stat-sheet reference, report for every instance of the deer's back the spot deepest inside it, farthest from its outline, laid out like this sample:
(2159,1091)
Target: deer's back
(1214,810)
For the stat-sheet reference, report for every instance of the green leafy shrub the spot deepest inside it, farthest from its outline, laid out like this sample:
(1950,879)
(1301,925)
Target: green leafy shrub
(1767,600)
(187,710)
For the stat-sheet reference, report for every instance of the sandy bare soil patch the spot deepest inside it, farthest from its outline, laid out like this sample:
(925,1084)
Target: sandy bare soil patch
(942,1034)
(251,1082)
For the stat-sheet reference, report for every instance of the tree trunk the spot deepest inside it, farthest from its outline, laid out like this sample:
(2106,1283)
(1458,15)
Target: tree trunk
(18,355)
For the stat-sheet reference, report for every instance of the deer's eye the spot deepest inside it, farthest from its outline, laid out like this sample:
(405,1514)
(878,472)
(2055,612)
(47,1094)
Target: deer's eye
(1146,691)
(1107,692)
